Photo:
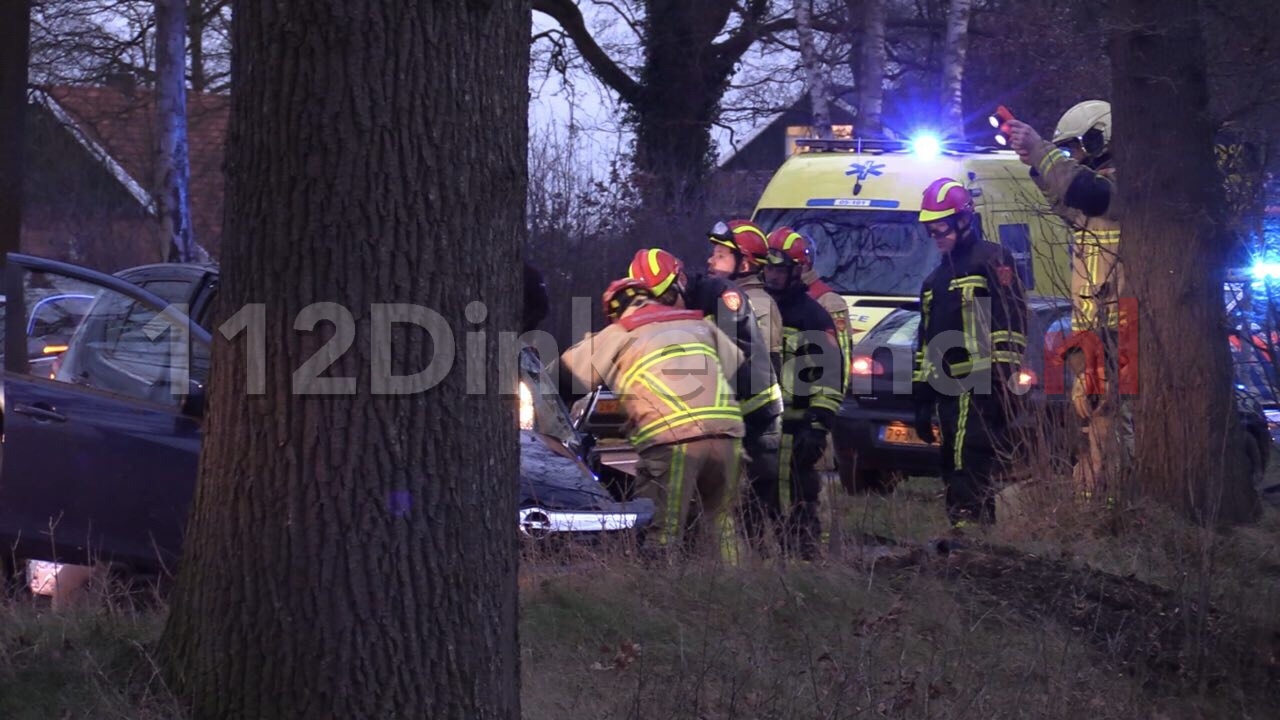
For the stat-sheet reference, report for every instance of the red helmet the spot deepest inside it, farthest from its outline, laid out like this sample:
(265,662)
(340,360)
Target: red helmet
(945,198)
(743,237)
(619,296)
(795,247)
(656,268)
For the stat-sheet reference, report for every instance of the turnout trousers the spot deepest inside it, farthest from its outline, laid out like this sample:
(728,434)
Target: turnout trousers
(693,485)
(799,488)
(973,429)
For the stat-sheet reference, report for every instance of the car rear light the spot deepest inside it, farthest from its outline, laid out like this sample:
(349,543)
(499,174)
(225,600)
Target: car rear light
(1026,379)
(863,365)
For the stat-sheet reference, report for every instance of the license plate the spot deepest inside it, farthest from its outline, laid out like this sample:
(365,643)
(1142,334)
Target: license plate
(902,435)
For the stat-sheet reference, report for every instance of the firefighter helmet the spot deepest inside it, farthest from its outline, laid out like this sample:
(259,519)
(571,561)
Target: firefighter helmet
(795,246)
(945,198)
(1089,123)
(743,237)
(619,296)
(656,268)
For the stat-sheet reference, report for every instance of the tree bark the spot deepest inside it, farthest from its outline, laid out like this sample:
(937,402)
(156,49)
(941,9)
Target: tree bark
(953,67)
(1188,449)
(173,172)
(871,73)
(353,554)
(814,72)
(15,39)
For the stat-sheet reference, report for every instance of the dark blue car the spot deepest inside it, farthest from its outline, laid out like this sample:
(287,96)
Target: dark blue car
(101,438)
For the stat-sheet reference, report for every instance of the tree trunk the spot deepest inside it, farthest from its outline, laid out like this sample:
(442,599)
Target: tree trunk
(953,68)
(195,40)
(173,172)
(1188,450)
(814,73)
(15,39)
(871,72)
(352,551)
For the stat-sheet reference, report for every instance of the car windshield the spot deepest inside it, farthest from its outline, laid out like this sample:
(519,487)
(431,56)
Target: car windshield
(862,252)
(898,329)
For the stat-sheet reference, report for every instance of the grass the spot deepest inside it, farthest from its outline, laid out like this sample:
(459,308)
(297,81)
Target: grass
(910,635)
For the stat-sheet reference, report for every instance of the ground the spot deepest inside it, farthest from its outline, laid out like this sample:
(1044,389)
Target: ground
(1061,612)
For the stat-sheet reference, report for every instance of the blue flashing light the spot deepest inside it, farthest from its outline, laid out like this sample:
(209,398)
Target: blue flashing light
(926,146)
(1265,270)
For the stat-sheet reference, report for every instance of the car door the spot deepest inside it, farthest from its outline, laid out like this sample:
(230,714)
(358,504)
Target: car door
(100,459)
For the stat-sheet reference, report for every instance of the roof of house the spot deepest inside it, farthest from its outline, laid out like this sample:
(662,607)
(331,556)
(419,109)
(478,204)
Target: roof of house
(117,126)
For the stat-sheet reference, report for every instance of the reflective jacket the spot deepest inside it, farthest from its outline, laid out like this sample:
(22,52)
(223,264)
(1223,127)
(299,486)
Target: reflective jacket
(811,359)
(766,312)
(1087,199)
(671,370)
(756,383)
(973,316)
(838,309)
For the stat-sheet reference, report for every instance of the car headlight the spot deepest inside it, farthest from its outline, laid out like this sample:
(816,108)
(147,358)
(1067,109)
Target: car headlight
(526,406)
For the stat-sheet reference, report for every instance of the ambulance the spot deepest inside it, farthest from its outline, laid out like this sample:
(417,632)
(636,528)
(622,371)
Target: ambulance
(858,201)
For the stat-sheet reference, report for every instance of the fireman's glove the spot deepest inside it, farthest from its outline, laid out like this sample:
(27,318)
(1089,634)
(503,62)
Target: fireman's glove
(810,444)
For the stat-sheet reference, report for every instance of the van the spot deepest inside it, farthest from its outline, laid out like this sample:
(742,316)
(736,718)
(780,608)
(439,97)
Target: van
(859,201)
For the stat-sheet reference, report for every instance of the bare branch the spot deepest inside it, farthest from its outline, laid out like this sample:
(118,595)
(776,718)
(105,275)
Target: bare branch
(567,13)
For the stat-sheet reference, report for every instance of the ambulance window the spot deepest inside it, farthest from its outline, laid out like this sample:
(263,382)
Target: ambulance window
(1016,238)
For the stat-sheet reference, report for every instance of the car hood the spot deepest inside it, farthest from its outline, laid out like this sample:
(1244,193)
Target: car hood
(552,477)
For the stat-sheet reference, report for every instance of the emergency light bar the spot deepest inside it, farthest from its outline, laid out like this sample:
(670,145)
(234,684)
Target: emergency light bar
(859,145)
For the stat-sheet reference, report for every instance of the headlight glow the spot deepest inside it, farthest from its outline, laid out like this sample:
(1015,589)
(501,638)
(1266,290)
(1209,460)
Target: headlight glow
(526,407)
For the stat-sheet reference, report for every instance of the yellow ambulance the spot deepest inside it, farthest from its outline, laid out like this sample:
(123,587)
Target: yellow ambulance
(858,201)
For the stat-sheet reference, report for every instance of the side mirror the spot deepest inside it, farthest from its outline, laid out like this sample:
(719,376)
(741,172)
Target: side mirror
(193,402)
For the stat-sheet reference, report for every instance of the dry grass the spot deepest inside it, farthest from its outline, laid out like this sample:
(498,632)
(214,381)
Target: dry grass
(911,635)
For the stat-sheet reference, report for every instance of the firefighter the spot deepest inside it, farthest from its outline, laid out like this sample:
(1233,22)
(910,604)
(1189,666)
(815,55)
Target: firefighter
(671,370)
(1076,173)
(755,385)
(829,299)
(811,392)
(968,350)
(738,250)
(835,306)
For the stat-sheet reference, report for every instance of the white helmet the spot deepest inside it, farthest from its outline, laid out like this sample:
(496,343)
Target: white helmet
(1088,122)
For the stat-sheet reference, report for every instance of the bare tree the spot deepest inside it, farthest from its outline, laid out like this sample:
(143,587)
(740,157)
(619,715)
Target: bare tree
(172,167)
(689,54)
(1175,257)
(815,71)
(953,67)
(351,551)
(871,73)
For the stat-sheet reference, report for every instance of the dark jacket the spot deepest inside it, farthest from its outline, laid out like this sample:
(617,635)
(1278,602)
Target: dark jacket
(755,384)
(974,296)
(811,359)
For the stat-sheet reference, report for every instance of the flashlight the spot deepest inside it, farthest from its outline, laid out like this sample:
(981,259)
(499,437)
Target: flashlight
(1000,121)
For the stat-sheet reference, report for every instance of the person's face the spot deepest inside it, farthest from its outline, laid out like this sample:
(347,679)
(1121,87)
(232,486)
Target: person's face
(778,277)
(722,262)
(943,235)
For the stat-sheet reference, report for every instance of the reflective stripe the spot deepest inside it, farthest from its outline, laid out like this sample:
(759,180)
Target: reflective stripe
(1006,356)
(1048,161)
(1008,336)
(826,399)
(670,352)
(968,281)
(1098,237)
(942,190)
(675,491)
(680,419)
(754,403)
(960,428)
(968,366)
